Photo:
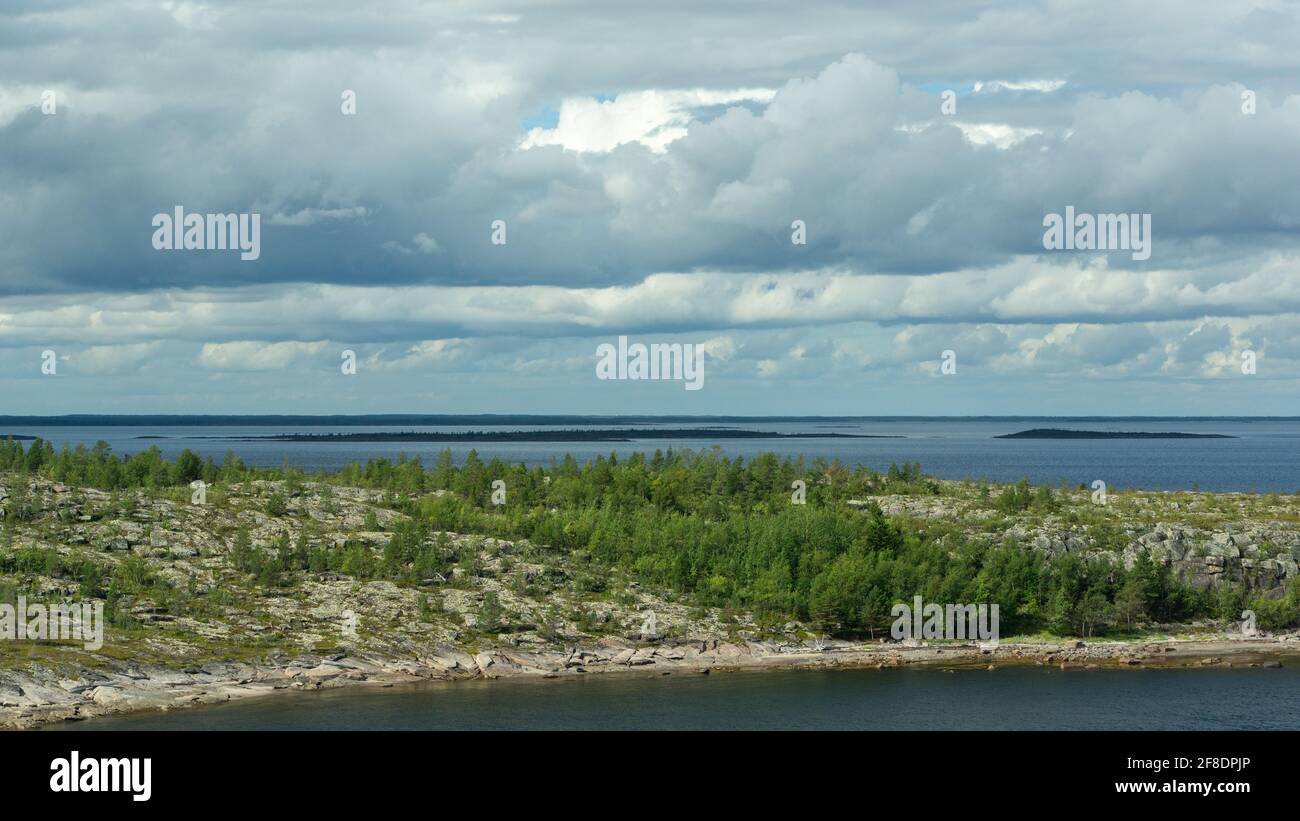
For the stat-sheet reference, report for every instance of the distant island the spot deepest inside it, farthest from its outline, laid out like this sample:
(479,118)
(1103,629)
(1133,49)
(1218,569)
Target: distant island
(1058,433)
(602,435)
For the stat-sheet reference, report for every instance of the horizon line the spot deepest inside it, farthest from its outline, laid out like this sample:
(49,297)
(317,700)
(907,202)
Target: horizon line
(27,420)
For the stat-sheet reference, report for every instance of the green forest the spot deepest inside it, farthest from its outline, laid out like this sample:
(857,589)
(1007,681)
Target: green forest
(716,531)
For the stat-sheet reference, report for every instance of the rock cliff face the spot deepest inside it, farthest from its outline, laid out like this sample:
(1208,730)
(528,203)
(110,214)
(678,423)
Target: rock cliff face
(1250,542)
(1260,557)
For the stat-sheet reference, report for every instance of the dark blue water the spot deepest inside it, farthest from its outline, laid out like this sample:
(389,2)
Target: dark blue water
(1265,457)
(1009,698)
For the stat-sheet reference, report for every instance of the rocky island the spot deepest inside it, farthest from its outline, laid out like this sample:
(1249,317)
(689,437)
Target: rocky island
(1059,433)
(221,581)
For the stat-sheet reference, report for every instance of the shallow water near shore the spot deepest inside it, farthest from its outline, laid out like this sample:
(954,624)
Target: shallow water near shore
(1007,698)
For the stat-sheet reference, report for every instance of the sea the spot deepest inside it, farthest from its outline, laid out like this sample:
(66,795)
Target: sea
(1263,456)
(1006,698)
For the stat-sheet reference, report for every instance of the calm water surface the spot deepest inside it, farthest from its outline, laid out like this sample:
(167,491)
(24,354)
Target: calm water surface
(1009,698)
(1265,457)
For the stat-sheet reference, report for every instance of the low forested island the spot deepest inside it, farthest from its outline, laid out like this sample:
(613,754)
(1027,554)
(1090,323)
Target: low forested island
(569,435)
(1059,433)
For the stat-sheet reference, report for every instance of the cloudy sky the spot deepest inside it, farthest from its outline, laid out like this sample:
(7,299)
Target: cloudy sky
(648,162)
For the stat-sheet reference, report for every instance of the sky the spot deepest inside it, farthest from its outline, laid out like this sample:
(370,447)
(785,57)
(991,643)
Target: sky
(472,198)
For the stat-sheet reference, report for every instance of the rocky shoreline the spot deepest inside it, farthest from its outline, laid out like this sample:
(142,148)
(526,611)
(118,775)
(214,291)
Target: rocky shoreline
(43,695)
